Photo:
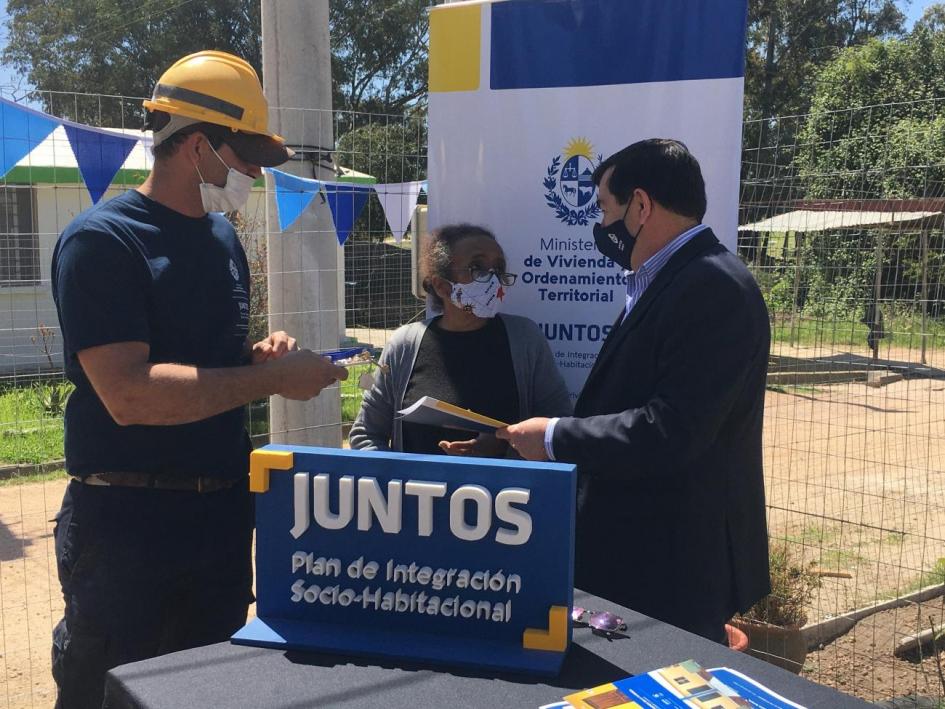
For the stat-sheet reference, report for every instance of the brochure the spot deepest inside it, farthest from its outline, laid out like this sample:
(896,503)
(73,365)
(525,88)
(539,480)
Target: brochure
(685,685)
(434,412)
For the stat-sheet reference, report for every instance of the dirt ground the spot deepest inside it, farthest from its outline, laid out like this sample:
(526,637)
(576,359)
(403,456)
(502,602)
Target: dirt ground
(862,661)
(30,599)
(855,479)
(855,484)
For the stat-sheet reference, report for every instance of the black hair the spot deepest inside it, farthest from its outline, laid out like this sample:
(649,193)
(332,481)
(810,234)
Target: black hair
(158,119)
(438,258)
(661,167)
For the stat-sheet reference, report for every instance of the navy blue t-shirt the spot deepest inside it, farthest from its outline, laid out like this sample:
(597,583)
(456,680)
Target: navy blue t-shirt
(133,270)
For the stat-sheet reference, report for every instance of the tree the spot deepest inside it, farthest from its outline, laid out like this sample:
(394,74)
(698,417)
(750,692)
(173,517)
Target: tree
(113,47)
(789,39)
(379,54)
(788,42)
(876,131)
(933,18)
(875,128)
(389,148)
(379,50)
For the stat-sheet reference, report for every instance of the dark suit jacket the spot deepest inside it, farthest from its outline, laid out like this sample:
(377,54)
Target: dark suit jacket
(667,439)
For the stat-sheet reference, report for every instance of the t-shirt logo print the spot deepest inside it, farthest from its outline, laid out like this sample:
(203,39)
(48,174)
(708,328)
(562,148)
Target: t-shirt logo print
(234,271)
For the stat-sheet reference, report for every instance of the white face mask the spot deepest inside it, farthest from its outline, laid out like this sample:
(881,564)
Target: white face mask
(229,198)
(481,299)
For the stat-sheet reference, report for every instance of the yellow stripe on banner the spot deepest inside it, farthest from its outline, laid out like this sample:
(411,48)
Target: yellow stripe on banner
(455,39)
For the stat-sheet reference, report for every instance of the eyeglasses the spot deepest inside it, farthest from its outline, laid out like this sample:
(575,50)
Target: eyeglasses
(483,275)
(603,621)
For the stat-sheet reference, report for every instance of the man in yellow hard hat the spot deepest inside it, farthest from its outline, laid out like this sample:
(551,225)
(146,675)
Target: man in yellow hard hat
(153,291)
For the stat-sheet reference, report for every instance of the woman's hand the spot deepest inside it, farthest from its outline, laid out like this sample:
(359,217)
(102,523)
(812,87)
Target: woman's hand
(486,445)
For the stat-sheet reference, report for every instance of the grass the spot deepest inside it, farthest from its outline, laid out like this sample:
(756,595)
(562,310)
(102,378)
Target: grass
(931,577)
(27,478)
(813,535)
(841,559)
(894,538)
(903,329)
(351,393)
(935,575)
(27,434)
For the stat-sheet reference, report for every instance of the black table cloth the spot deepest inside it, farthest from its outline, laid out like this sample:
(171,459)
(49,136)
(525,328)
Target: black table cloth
(232,677)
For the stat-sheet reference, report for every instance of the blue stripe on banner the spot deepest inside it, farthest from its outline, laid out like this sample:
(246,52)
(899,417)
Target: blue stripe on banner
(547,43)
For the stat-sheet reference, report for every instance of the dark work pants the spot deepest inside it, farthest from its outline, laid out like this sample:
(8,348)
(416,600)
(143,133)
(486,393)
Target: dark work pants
(145,572)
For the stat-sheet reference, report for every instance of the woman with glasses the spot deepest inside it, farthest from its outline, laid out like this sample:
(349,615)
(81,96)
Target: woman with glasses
(468,355)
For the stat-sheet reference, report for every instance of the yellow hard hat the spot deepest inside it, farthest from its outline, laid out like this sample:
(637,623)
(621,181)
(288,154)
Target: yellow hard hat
(219,88)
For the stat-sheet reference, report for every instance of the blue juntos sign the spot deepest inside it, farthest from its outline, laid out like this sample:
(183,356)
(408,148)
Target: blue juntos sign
(449,560)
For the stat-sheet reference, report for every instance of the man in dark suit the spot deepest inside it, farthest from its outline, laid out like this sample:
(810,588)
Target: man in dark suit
(666,433)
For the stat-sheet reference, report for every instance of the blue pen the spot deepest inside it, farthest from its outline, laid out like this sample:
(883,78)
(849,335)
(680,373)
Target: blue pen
(339,357)
(335,355)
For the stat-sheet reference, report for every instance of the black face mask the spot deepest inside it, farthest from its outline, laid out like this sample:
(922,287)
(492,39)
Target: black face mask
(615,241)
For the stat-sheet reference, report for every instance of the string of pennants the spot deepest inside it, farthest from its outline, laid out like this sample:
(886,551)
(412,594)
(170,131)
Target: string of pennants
(346,201)
(100,154)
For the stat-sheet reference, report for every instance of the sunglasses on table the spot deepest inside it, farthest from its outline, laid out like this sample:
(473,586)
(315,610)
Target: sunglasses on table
(604,621)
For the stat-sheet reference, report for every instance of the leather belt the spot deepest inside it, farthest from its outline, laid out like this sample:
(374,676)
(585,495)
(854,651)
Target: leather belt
(157,481)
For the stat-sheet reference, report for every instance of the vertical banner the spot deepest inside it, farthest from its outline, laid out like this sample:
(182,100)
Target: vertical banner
(528,96)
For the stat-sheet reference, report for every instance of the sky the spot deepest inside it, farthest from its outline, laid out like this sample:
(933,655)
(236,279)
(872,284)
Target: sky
(9,78)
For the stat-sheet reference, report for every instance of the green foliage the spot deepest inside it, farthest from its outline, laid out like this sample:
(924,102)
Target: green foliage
(915,158)
(391,150)
(935,575)
(838,270)
(52,397)
(789,39)
(379,54)
(27,435)
(933,17)
(792,588)
(379,50)
(896,147)
(351,393)
(257,421)
(119,48)
(252,236)
(28,478)
(780,295)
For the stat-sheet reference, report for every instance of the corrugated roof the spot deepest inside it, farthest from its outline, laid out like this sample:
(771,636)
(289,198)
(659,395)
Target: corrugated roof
(814,220)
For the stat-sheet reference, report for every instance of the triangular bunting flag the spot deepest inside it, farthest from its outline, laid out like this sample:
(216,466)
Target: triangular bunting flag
(21,130)
(99,155)
(346,202)
(293,195)
(398,202)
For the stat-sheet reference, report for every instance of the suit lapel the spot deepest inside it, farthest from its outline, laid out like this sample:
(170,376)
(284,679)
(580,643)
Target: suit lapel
(605,345)
(699,243)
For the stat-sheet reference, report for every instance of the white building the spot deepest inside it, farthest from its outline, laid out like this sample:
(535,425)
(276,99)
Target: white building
(38,199)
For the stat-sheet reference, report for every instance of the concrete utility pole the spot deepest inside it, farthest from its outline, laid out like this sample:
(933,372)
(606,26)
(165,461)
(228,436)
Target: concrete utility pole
(304,263)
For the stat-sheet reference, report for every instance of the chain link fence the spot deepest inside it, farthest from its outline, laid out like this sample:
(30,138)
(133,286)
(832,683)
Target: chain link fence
(842,226)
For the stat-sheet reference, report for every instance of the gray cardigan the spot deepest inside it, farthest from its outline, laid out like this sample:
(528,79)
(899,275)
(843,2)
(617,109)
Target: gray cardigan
(541,390)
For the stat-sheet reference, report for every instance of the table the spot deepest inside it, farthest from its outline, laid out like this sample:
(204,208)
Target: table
(231,676)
